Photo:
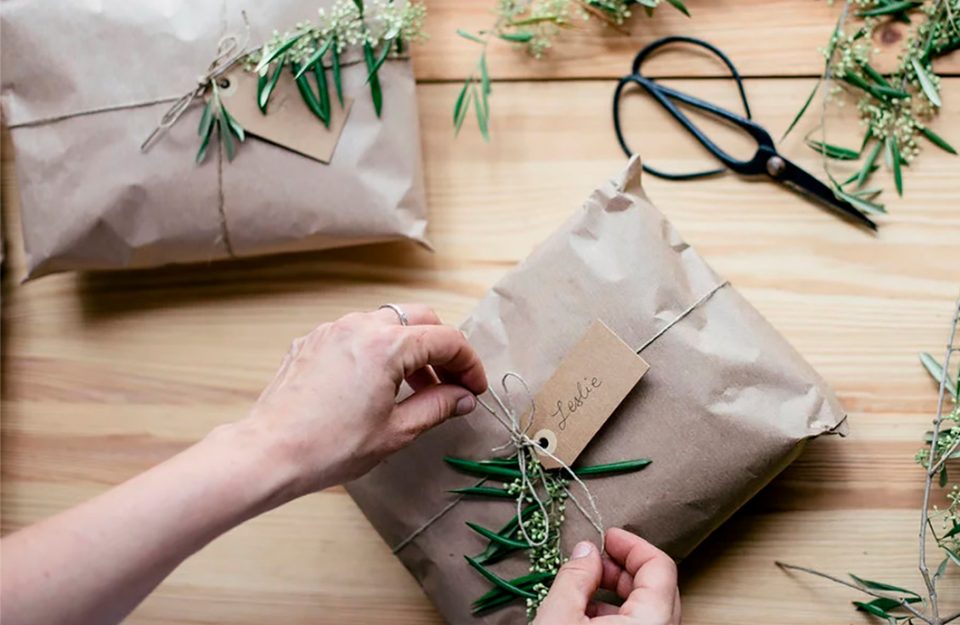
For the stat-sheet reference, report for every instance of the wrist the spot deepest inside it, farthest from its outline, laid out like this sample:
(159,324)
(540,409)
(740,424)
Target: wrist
(258,462)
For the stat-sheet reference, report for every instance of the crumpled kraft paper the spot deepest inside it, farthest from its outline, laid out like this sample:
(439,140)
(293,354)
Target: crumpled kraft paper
(91,200)
(726,405)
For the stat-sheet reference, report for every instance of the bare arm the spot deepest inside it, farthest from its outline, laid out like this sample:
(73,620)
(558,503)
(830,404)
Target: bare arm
(329,416)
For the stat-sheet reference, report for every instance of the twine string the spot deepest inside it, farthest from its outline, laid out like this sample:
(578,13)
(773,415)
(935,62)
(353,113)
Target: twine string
(510,420)
(230,49)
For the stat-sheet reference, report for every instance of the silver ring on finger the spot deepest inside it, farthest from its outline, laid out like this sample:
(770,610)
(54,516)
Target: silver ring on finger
(402,316)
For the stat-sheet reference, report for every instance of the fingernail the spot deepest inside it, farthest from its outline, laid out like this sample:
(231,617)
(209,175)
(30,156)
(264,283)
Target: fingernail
(465,405)
(582,550)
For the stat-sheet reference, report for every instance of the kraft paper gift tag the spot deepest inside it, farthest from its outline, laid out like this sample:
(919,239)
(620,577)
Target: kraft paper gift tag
(588,385)
(288,122)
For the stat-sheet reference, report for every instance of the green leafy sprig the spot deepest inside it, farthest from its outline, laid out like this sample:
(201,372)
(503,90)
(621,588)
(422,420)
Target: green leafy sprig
(894,108)
(311,51)
(534,25)
(894,604)
(542,525)
(215,115)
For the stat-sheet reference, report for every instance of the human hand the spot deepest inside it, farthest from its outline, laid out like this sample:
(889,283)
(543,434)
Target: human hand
(642,575)
(332,409)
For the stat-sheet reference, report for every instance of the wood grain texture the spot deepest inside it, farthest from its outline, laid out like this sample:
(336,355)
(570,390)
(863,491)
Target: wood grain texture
(104,375)
(762,37)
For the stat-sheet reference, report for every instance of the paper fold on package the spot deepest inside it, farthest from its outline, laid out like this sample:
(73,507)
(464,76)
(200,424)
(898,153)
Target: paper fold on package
(726,404)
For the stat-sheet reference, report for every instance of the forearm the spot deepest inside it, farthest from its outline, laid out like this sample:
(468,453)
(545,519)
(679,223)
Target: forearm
(94,563)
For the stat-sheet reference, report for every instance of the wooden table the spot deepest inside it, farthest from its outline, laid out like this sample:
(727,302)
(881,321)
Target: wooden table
(105,375)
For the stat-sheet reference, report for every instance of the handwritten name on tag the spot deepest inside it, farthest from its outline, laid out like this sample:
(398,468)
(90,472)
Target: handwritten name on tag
(588,385)
(288,122)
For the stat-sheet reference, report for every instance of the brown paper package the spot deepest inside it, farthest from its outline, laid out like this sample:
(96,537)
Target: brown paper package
(91,200)
(726,405)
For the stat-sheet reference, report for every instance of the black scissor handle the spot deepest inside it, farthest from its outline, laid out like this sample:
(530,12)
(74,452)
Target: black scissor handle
(666,95)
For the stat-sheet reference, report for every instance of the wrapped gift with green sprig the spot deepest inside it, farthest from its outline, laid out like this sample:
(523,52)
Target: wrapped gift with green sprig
(725,406)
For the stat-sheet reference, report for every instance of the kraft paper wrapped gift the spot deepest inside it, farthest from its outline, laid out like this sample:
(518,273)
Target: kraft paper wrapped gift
(726,404)
(83,84)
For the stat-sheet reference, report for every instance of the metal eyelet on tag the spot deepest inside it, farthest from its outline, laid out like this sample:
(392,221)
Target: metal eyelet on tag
(546,440)
(226,86)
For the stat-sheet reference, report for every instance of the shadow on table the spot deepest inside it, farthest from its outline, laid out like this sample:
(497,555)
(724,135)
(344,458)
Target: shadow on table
(106,294)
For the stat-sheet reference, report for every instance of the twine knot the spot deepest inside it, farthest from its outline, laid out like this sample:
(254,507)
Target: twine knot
(230,49)
(511,419)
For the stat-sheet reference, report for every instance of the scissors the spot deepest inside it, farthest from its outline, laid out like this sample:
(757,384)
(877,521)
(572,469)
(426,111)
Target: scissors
(766,161)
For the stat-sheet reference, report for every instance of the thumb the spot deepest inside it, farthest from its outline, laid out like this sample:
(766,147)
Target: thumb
(573,587)
(432,406)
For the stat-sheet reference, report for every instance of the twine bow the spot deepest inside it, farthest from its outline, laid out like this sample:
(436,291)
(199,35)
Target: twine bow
(230,49)
(510,419)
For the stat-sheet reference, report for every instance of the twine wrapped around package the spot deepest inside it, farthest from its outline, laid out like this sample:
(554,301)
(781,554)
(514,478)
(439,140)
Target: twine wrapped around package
(726,405)
(84,83)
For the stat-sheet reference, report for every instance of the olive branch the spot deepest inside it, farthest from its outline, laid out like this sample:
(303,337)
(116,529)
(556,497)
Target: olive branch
(900,606)
(534,25)
(381,29)
(894,107)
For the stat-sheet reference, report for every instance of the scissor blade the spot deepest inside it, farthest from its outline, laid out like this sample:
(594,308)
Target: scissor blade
(800,180)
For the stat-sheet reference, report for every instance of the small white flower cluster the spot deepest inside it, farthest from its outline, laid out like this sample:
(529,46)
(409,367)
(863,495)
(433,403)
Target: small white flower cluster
(382,21)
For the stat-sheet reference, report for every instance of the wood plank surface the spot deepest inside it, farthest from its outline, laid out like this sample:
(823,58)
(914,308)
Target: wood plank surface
(104,375)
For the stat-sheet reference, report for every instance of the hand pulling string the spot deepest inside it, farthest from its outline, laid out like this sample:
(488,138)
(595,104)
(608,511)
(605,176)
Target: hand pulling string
(508,418)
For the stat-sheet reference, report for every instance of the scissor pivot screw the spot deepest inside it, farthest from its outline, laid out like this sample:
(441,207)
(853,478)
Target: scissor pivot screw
(775,166)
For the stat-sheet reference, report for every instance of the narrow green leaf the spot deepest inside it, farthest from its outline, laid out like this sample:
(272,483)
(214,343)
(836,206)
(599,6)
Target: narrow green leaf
(890,8)
(316,57)
(872,585)
(860,203)
(878,91)
(953,531)
(496,580)
(233,125)
(206,119)
(266,86)
(943,482)
(375,92)
(384,53)
(483,491)
(497,538)
(226,136)
(337,78)
(875,76)
(270,57)
(306,92)
(942,568)
(470,36)
(484,75)
(856,175)
(870,165)
(484,470)
(359,4)
(678,5)
(937,140)
(936,372)
(323,91)
(928,86)
(206,126)
(460,108)
(524,581)
(873,608)
(510,461)
(893,153)
(496,602)
(953,555)
(883,603)
(521,36)
(833,151)
(803,109)
(481,114)
(614,467)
